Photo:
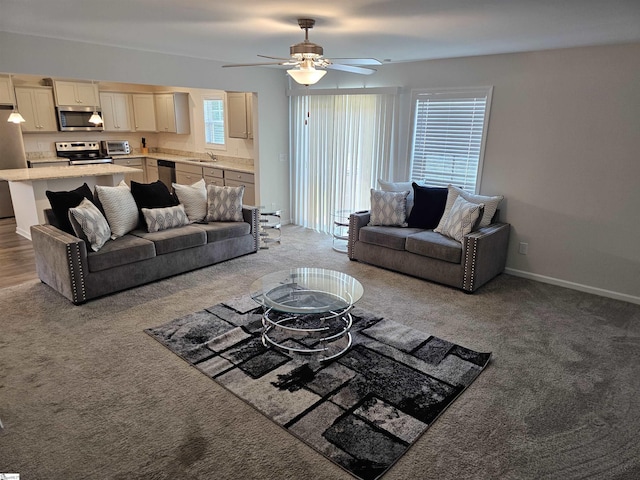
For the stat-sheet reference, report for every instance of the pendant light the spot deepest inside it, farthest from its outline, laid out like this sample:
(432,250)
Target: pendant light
(307,73)
(15,116)
(96,119)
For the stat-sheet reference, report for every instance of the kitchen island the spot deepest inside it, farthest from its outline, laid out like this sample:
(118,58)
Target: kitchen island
(28,187)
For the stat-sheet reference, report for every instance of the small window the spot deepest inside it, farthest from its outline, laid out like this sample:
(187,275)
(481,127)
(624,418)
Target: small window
(214,121)
(449,132)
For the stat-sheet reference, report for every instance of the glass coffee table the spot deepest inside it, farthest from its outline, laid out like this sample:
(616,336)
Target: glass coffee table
(307,310)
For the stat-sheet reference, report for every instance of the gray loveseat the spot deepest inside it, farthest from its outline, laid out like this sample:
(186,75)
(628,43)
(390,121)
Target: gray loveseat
(429,255)
(64,262)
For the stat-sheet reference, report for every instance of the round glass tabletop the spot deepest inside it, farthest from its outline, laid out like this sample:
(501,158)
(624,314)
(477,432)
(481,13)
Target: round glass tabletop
(307,290)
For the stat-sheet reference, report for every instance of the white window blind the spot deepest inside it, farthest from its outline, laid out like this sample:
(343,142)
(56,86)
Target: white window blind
(449,129)
(214,121)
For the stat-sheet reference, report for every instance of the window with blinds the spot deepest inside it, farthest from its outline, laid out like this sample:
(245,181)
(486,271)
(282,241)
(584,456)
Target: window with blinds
(449,131)
(214,121)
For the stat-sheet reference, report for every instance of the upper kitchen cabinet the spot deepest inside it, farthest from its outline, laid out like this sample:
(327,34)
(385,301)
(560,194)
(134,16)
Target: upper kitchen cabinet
(144,112)
(36,106)
(239,105)
(6,96)
(81,94)
(115,111)
(172,112)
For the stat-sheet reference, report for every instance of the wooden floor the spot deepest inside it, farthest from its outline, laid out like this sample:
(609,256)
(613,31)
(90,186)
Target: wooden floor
(17,261)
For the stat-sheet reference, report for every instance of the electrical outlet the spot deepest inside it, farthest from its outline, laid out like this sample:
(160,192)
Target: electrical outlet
(524,248)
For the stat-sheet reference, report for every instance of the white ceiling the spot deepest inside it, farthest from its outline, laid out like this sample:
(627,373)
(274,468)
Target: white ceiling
(391,30)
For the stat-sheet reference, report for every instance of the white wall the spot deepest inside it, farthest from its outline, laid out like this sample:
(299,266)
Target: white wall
(25,54)
(562,147)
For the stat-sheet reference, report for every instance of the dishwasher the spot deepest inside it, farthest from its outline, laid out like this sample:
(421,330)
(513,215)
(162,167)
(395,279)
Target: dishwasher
(167,173)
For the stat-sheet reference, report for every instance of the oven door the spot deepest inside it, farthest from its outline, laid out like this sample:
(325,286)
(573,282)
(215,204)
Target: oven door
(76,119)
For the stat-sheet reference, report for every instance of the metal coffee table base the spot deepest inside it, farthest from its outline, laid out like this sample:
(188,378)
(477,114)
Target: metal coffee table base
(324,344)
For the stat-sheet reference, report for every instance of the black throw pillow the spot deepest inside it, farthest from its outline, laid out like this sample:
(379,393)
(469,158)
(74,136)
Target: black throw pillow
(61,202)
(151,195)
(428,206)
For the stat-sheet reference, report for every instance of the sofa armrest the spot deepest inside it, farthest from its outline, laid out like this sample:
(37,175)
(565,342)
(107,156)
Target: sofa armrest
(61,261)
(251,216)
(484,253)
(356,222)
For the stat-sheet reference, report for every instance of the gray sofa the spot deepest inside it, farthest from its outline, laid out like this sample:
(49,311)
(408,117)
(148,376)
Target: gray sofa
(429,255)
(64,262)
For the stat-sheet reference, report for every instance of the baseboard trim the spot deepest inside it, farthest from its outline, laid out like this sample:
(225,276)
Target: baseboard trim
(574,286)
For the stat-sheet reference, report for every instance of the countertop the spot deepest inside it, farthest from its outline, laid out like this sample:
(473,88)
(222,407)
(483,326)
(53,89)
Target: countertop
(164,156)
(50,173)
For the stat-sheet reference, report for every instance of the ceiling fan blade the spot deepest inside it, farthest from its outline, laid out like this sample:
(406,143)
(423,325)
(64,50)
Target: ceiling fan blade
(252,64)
(275,58)
(351,69)
(358,61)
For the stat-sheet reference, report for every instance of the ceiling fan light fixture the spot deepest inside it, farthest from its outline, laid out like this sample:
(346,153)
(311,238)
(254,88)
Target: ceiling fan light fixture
(306,74)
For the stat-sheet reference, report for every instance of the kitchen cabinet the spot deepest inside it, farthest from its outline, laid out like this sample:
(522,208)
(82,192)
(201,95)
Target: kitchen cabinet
(6,95)
(172,112)
(144,112)
(188,174)
(81,94)
(115,111)
(134,163)
(235,179)
(240,116)
(213,176)
(151,170)
(35,104)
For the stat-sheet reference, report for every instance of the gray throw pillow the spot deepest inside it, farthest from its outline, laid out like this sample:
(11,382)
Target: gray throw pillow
(388,208)
(89,224)
(119,207)
(490,204)
(194,199)
(461,219)
(399,187)
(164,218)
(224,204)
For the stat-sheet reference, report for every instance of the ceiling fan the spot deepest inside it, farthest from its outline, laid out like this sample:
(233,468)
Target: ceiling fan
(309,64)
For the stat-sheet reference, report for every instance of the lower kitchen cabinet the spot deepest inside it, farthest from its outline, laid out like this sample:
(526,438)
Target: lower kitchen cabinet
(151,170)
(135,163)
(235,179)
(188,174)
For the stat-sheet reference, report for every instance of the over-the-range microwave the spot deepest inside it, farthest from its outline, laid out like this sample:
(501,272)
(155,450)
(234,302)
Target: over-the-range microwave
(76,119)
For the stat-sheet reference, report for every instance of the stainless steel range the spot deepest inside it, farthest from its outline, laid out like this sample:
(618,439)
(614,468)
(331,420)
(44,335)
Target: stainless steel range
(82,153)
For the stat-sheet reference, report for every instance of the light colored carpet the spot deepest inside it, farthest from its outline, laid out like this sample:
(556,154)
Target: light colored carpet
(85,393)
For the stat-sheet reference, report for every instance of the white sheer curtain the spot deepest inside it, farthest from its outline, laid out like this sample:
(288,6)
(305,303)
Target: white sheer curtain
(340,146)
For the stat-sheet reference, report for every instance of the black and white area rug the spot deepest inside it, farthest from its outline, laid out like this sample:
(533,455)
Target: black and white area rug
(362,410)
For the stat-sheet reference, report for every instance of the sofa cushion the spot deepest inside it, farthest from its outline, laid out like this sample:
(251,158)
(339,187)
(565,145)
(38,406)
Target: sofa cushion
(428,207)
(121,251)
(390,237)
(388,208)
(174,239)
(222,230)
(431,244)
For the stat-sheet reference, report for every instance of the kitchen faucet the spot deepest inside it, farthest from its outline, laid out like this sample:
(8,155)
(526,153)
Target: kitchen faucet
(212,156)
